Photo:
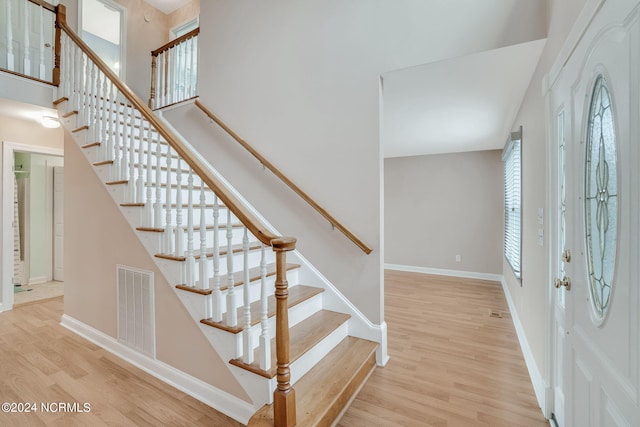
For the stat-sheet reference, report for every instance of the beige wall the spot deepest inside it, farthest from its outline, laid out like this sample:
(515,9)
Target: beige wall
(184,14)
(530,297)
(97,237)
(30,132)
(440,206)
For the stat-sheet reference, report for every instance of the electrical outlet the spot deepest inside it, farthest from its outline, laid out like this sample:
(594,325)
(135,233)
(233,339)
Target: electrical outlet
(458,259)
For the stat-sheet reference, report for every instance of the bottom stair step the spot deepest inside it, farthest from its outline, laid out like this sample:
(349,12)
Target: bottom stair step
(324,392)
(302,338)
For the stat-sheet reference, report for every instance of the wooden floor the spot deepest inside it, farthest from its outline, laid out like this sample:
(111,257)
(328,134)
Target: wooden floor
(42,362)
(452,364)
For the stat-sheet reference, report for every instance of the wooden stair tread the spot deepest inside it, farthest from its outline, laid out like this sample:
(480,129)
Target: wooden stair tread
(81,128)
(221,227)
(238,279)
(103,162)
(93,144)
(297,294)
(209,253)
(60,100)
(323,393)
(303,337)
(69,114)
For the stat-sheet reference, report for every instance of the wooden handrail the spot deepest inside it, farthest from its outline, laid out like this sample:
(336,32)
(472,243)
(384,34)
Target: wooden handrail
(259,230)
(176,41)
(44,4)
(334,222)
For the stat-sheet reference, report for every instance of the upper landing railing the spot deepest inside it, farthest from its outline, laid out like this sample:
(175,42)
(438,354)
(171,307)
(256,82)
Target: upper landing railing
(174,71)
(27,39)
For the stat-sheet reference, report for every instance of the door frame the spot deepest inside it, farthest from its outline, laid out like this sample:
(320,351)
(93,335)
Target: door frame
(6,248)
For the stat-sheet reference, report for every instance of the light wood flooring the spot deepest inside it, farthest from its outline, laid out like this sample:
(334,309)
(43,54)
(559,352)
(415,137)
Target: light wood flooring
(451,365)
(42,362)
(41,291)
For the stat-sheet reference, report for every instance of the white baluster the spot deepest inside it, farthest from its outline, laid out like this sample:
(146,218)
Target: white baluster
(168,229)
(194,67)
(86,97)
(162,81)
(113,137)
(190,259)
(26,64)
(119,140)
(179,79)
(77,78)
(130,123)
(232,314)
(42,69)
(179,230)
(106,109)
(204,266)
(217,293)
(98,113)
(140,194)
(265,341)
(92,102)
(148,206)
(157,214)
(246,333)
(171,76)
(10,58)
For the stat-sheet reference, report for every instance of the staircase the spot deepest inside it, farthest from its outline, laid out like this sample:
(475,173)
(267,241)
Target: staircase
(291,340)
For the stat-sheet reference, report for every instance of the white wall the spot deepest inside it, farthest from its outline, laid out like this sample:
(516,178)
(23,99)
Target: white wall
(454,203)
(300,81)
(529,298)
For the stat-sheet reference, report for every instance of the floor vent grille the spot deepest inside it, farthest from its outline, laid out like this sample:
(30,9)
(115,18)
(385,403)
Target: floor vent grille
(495,313)
(136,316)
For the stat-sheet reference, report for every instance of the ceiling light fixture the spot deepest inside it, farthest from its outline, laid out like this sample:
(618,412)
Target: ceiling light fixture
(50,122)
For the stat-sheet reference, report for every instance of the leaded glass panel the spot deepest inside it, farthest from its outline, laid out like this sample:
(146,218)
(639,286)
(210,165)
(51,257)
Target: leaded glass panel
(601,198)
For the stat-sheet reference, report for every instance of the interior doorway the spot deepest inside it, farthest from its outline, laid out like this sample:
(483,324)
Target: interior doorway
(31,243)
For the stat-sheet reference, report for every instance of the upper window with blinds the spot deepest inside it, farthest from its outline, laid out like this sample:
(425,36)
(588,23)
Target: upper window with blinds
(512,160)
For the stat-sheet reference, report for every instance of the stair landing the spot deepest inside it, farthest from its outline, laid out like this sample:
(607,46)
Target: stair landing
(327,389)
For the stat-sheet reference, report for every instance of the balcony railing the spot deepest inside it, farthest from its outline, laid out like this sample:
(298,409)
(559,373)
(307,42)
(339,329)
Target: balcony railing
(174,71)
(27,39)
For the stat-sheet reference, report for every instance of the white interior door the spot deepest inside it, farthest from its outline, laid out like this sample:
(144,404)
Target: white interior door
(58,223)
(596,114)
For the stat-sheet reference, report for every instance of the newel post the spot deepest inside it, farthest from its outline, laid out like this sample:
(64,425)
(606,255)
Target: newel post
(284,397)
(154,71)
(61,17)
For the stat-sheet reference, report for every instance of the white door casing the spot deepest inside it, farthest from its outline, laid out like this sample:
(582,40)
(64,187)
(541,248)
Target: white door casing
(58,223)
(596,357)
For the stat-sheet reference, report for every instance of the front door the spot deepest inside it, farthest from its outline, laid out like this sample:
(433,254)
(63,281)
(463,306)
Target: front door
(595,117)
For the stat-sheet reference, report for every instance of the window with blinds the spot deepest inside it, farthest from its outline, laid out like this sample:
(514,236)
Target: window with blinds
(512,160)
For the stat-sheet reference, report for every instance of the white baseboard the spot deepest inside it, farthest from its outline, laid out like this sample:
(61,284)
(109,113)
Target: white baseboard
(222,401)
(540,386)
(37,280)
(443,272)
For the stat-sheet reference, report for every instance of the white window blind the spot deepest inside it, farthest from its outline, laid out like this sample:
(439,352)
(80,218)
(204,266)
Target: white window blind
(511,158)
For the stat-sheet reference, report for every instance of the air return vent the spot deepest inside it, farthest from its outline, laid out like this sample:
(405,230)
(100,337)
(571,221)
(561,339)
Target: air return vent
(136,318)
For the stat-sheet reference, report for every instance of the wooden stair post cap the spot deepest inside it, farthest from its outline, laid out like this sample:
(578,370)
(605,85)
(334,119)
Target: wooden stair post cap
(284,244)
